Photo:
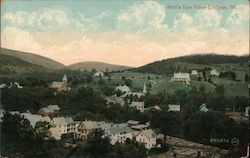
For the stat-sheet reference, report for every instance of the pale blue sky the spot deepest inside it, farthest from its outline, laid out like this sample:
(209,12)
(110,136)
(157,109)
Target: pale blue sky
(153,30)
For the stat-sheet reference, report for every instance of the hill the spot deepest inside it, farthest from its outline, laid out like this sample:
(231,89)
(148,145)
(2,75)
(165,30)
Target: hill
(13,66)
(33,58)
(185,63)
(96,65)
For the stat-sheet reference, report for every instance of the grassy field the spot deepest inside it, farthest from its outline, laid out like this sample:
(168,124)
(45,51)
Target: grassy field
(232,88)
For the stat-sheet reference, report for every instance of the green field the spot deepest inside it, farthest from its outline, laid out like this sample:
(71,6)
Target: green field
(232,88)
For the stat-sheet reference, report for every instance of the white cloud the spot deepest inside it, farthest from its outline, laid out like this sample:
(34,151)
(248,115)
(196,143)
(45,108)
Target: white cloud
(45,19)
(17,39)
(18,18)
(149,14)
(238,20)
(104,14)
(182,21)
(207,19)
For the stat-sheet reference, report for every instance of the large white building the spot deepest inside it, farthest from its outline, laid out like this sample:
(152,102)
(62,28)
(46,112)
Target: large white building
(119,134)
(61,125)
(182,77)
(214,72)
(98,74)
(123,89)
(172,107)
(147,137)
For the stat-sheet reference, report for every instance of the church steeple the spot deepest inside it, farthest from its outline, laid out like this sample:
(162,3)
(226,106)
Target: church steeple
(65,78)
(144,89)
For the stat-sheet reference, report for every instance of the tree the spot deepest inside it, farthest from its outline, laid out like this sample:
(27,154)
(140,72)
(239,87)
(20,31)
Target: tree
(220,90)
(97,144)
(246,77)
(128,82)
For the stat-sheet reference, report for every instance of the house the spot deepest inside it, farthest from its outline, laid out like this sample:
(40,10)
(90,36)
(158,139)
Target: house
(50,110)
(61,125)
(138,105)
(1,115)
(3,86)
(124,89)
(237,116)
(34,118)
(182,77)
(144,89)
(203,108)
(16,84)
(194,73)
(98,74)
(156,107)
(60,86)
(86,127)
(247,111)
(119,134)
(172,107)
(214,72)
(147,137)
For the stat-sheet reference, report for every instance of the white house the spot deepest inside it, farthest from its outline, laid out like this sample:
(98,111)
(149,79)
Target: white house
(247,111)
(61,125)
(124,88)
(194,72)
(183,77)
(119,134)
(98,74)
(16,84)
(34,118)
(138,106)
(214,72)
(203,108)
(147,137)
(3,86)
(172,107)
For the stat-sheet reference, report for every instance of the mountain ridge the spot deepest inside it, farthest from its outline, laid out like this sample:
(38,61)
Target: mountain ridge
(34,59)
(100,66)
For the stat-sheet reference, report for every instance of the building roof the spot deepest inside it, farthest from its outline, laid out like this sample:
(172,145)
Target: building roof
(174,107)
(59,121)
(47,110)
(132,122)
(34,118)
(194,72)
(56,84)
(149,133)
(90,124)
(139,126)
(69,120)
(118,130)
(53,107)
(137,104)
(123,88)
(98,74)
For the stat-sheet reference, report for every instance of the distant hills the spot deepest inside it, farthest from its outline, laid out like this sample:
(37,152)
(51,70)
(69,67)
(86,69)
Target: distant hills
(10,65)
(100,66)
(34,59)
(159,67)
(171,64)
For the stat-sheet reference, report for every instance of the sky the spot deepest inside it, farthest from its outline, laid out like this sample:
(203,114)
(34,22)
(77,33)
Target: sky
(124,32)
